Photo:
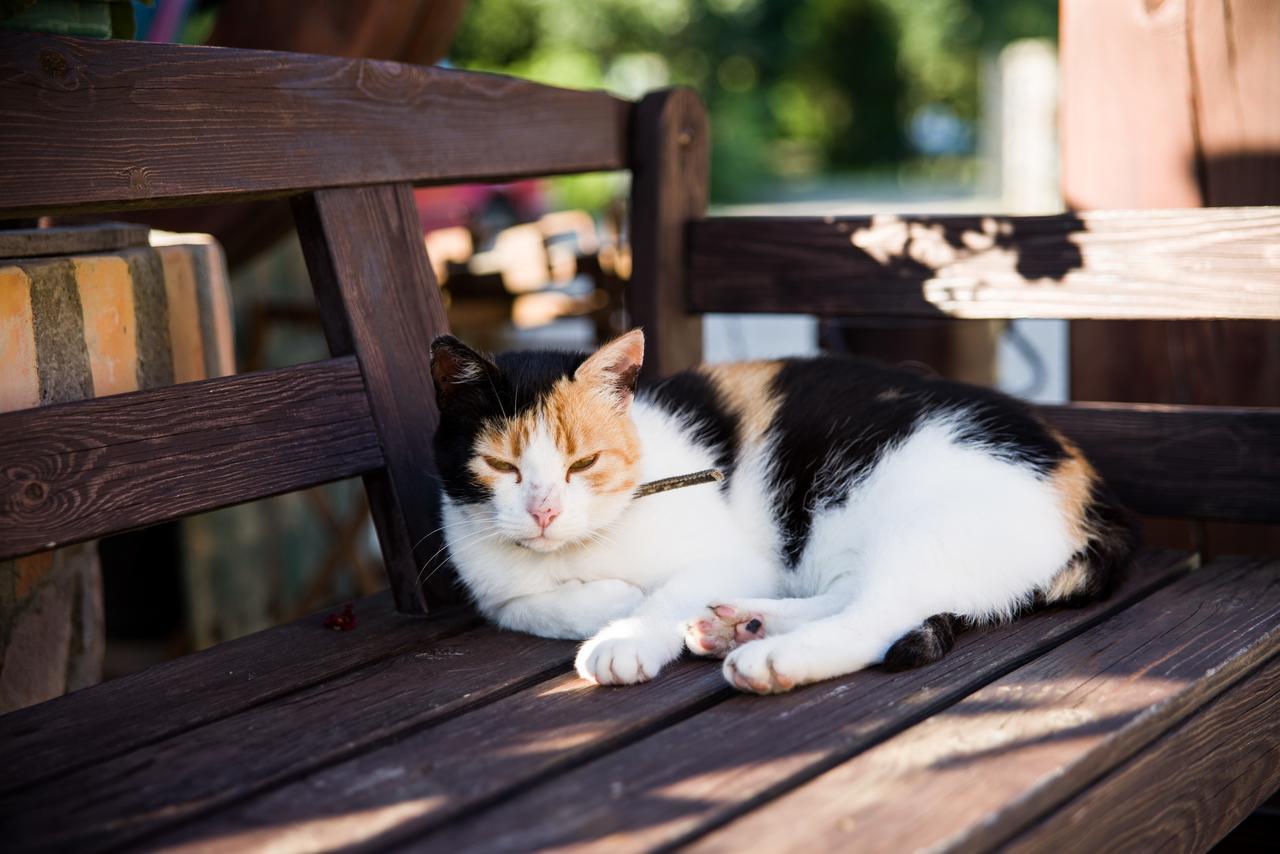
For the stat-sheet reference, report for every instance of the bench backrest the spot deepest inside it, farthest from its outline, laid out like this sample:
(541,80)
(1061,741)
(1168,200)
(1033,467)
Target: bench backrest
(91,126)
(96,126)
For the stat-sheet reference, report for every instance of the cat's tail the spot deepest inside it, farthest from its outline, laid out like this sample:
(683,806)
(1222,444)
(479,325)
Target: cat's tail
(927,643)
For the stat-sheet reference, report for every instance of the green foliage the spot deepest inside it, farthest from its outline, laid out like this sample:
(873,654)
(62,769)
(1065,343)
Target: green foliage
(794,87)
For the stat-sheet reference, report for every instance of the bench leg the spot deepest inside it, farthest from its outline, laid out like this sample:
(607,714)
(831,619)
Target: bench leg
(379,300)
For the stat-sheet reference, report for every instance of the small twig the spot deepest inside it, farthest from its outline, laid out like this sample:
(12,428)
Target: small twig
(680,480)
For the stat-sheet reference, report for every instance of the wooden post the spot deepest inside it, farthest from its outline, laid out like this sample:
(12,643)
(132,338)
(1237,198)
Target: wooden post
(379,300)
(670,157)
(1172,105)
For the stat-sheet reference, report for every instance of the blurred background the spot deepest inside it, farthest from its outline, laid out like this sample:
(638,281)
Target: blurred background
(817,107)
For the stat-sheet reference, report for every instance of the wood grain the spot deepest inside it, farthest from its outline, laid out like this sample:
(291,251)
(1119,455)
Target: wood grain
(671,145)
(1103,264)
(90,125)
(379,299)
(722,762)
(126,799)
(1210,462)
(1227,758)
(393,795)
(72,239)
(973,775)
(80,470)
(45,742)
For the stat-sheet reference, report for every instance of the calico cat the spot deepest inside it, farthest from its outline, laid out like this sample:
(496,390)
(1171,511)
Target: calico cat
(866,513)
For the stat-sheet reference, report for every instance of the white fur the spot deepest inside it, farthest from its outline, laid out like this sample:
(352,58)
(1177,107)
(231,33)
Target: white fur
(935,527)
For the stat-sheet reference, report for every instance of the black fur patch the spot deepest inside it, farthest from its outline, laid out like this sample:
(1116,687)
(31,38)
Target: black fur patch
(519,382)
(695,397)
(838,415)
(925,645)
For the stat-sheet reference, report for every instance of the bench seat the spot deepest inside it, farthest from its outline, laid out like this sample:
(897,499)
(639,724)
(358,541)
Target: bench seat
(1082,726)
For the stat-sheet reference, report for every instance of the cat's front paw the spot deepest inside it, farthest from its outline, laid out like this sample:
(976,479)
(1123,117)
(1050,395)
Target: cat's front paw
(722,628)
(623,654)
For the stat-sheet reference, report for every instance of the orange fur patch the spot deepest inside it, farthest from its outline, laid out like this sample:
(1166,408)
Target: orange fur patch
(1073,479)
(582,420)
(746,388)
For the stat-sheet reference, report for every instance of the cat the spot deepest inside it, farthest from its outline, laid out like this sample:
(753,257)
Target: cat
(867,514)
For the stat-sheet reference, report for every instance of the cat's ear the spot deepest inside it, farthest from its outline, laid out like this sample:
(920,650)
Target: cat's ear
(615,368)
(459,373)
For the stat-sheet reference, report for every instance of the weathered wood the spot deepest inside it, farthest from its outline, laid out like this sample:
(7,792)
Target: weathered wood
(705,770)
(80,470)
(159,785)
(1227,758)
(1102,264)
(96,125)
(671,146)
(395,794)
(379,299)
(48,741)
(973,775)
(72,239)
(1210,462)
(1168,105)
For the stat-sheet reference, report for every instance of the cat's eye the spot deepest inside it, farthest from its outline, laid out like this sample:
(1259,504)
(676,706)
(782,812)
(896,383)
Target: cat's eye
(501,465)
(584,463)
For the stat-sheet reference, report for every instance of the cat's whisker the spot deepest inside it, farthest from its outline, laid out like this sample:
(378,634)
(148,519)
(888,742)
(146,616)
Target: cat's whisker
(492,517)
(465,539)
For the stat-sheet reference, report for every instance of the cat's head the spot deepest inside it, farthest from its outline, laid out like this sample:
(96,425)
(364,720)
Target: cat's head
(538,447)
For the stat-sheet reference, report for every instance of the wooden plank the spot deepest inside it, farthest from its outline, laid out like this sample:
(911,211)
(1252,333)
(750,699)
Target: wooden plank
(90,125)
(1177,264)
(973,775)
(1227,758)
(671,150)
(723,761)
(46,742)
(395,794)
(1166,105)
(80,470)
(72,239)
(124,800)
(379,299)
(1199,461)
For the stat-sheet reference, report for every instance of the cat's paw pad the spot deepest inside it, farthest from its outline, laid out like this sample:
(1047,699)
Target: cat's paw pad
(761,668)
(722,628)
(619,661)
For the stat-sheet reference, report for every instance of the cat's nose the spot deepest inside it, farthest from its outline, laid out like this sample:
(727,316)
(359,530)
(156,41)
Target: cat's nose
(544,515)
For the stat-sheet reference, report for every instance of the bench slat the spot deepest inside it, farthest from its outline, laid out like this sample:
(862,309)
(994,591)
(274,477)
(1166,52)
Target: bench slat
(1216,263)
(156,786)
(1210,462)
(49,740)
(1227,759)
(80,470)
(454,768)
(90,125)
(704,770)
(973,775)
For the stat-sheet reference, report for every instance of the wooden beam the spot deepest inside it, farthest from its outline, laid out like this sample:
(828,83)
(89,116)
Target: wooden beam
(81,470)
(72,239)
(1206,462)
(671,144)
(91,125)
(1174,264)
(379,300)
(1225,758)
(84,728)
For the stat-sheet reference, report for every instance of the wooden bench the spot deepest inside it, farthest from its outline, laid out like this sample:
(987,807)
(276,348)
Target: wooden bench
(1152,718)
